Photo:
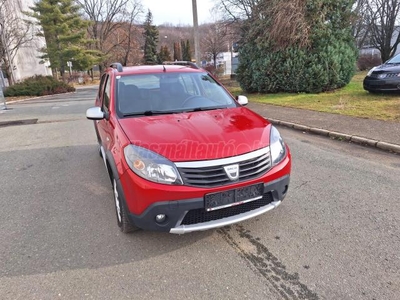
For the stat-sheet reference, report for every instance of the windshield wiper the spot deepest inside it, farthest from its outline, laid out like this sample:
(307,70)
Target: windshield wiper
(167,112)
(206,108)
(152,112)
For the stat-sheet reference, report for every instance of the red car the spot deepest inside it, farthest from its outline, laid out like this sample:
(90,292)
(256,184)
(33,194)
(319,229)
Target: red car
(182,153)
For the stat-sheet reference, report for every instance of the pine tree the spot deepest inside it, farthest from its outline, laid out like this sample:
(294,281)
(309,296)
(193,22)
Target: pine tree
(64,31)
(151,40)
(177,51)
(185,46)
(164,54)
(188,51)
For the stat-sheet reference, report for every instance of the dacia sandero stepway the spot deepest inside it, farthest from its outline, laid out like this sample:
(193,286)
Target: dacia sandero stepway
(182,153)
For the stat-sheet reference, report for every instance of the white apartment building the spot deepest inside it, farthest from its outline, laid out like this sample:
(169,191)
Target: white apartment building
(26,62)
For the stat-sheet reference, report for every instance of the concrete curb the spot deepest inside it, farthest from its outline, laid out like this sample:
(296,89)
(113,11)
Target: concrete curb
(340,136)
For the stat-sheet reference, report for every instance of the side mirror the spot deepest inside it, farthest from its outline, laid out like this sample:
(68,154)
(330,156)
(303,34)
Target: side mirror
(242,100)
(95,113)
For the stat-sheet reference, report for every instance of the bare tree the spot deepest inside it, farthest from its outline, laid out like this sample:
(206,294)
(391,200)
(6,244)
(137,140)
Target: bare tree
(376,24)
(215,39)
(131,32)
(383,20)
(237,9)
(109,17)
(360,27)
(15,32)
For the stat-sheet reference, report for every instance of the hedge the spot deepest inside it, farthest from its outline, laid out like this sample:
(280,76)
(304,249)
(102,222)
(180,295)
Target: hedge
(38,86)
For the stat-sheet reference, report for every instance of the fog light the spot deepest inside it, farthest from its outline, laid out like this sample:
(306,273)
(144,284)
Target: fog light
(160,218)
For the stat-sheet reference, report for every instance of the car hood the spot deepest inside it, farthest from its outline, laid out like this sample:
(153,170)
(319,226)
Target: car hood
(199,135)
(387,68)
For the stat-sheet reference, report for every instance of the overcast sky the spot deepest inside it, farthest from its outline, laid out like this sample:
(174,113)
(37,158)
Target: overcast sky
(178,11)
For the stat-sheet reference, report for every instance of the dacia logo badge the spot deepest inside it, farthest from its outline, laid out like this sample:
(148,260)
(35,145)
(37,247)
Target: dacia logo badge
(232,171)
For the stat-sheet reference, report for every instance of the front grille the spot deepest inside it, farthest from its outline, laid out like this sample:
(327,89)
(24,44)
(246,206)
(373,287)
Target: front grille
(391,75)
(381,75)
(216,175)
(200,215)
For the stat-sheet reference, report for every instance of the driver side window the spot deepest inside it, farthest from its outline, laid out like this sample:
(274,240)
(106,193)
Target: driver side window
(101,86)
(106,98)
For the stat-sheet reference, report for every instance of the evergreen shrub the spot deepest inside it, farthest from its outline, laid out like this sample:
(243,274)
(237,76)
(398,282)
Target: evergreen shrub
(38,86)
(326,62)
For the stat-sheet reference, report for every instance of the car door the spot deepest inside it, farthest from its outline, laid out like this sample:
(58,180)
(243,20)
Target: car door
(98,102)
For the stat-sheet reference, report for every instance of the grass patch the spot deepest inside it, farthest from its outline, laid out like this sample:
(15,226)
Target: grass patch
(351,100)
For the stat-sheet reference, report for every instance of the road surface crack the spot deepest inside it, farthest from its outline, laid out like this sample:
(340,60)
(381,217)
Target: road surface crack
(287,285)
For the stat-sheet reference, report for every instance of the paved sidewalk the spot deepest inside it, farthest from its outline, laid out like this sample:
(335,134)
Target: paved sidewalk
(380,134)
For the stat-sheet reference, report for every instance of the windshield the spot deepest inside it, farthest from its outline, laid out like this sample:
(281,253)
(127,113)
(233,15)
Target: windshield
(169,93)
(394,60)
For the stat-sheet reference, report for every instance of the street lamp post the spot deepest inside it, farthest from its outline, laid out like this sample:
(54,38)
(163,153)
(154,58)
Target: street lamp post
(196,34)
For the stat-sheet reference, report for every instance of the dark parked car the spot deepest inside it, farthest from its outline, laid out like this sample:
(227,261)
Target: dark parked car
(384,78)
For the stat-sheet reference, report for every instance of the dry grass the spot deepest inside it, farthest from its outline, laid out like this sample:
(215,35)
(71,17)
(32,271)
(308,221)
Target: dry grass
(351,100)
(289,26)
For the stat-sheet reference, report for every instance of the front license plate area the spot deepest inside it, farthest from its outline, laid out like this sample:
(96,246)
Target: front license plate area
(229,198)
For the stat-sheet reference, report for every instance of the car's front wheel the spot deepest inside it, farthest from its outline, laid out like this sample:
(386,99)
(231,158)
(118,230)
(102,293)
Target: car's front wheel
(122,215)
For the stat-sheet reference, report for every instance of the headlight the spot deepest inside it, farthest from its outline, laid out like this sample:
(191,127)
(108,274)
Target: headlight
(370,71)
(151,166)
(278,149)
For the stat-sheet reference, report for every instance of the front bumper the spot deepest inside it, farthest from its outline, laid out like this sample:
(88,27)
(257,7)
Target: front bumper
(381,85)
(177,211)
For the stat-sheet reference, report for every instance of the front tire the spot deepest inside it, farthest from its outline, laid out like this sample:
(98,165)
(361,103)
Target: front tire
(122,215)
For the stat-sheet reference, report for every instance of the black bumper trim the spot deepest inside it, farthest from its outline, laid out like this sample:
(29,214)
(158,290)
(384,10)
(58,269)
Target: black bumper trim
(176,210)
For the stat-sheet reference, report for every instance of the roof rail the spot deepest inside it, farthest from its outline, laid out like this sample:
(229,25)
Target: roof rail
(181,63)
(117,66)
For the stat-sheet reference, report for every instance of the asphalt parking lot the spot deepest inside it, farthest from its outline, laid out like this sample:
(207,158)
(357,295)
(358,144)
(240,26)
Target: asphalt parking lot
(335,236)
